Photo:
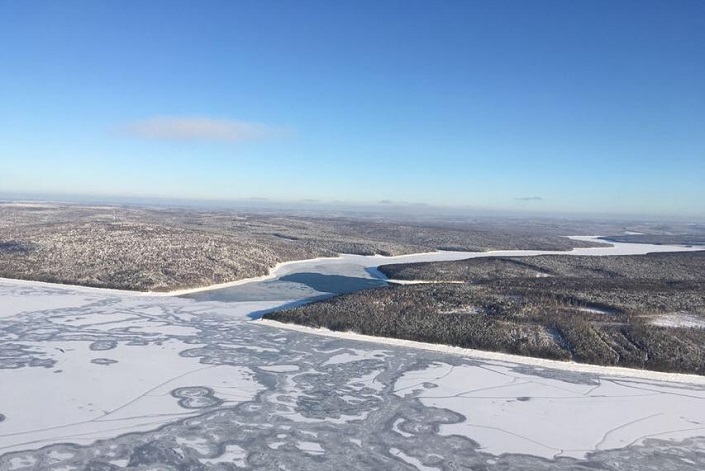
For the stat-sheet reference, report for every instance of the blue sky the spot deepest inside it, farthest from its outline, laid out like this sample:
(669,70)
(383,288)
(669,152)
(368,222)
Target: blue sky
(570,106)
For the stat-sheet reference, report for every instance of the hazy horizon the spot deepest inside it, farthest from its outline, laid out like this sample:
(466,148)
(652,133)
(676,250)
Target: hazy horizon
(323,207)
(548,107)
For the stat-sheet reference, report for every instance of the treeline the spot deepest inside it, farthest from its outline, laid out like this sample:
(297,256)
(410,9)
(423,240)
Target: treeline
(136,256)
(604,322)
(674,266)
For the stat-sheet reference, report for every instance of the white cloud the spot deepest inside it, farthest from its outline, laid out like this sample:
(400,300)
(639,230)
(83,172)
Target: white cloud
(197,129)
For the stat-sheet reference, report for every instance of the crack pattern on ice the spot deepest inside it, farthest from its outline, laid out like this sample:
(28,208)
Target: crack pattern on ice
(190,385)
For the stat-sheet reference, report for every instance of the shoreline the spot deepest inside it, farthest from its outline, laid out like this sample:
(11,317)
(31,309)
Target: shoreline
(179,292)
(274,271)
(573,367)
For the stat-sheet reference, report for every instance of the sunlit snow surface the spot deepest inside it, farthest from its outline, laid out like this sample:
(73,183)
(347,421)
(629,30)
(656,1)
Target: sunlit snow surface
(92,379)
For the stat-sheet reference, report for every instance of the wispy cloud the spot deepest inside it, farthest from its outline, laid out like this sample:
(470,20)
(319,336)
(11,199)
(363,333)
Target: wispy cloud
(197,129)
(529,198)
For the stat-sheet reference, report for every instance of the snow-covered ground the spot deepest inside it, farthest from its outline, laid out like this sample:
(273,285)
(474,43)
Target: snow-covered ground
(679,319)
(110,380)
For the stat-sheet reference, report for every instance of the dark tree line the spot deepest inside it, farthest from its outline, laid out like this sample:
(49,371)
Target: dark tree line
(604,320)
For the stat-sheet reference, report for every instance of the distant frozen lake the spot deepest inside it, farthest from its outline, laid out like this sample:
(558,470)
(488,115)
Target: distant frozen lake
(95,379)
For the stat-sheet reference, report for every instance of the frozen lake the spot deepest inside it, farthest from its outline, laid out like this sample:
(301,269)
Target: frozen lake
(96,379)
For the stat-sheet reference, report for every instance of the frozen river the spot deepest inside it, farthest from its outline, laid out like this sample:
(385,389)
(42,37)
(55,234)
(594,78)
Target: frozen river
(303,281)
(99,379)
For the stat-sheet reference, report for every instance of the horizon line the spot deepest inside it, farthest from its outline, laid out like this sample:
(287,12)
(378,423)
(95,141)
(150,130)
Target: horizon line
(382,206)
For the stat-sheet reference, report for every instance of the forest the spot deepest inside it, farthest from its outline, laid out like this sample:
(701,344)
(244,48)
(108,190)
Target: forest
(164,249)
(600,310)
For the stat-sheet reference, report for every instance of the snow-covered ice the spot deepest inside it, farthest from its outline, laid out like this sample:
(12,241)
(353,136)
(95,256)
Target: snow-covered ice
(511,412)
